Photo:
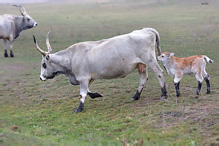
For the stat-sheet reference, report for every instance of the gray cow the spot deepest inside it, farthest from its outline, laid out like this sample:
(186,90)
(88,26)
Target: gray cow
(11,27)
(111,58)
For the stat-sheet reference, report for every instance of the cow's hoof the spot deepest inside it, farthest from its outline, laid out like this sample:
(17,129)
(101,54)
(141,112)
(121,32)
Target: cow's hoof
(163,97)
(6,54)
(94,95)
(11,54)
(134,98)
(178,94)
(78,110)
(208,92)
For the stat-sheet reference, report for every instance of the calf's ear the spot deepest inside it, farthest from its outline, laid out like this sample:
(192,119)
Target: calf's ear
(172,54)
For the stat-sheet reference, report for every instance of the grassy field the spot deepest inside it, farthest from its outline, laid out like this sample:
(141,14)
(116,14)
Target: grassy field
(43,111)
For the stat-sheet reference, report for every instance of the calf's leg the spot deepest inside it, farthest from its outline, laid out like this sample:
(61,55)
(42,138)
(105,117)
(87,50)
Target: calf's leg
(177,79)
(199,87)
(143,76)
(177,89)
(200,79)
(207,78)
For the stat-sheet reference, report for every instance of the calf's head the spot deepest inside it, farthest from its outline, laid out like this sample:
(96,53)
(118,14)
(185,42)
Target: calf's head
(27,20)
(165,56)
(49,68)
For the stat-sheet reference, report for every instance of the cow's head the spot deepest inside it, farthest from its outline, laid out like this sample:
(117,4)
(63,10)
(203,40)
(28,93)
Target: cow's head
(27,20)
(49,68)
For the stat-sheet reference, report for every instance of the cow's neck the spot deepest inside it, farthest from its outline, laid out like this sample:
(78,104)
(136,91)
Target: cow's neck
(62,62)
(19,25)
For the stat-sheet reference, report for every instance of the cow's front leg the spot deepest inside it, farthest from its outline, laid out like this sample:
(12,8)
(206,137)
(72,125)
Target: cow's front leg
(83,94)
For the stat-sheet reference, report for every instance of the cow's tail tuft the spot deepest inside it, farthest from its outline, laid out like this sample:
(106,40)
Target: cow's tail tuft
(208,60)
(157,40)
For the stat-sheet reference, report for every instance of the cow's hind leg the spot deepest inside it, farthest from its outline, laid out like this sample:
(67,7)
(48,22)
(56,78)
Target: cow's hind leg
(93,95)
(143,76)
(83,94)
(5,47)
(11,46)
(160,76)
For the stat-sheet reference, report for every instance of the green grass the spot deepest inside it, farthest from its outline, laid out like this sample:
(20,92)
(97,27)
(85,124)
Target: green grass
(43,111)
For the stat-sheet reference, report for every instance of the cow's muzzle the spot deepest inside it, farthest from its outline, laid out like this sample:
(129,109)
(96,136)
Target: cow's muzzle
(42,79)
(35,24)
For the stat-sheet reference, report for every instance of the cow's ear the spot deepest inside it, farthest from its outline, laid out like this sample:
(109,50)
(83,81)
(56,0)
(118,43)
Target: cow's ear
(47,57)
(172,54)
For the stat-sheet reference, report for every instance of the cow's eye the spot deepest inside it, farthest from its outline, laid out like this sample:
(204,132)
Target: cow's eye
(28,19)
(44,65)
(162,56)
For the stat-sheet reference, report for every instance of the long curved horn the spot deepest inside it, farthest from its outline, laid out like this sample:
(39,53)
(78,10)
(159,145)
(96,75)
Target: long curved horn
(22,10)
(38,48)
(47,42)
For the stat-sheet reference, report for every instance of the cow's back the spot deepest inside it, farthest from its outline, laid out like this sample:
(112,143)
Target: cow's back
(111,58)
(6,25)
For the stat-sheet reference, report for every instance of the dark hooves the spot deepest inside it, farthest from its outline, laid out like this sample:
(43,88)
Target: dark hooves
(163,97)
(208,92)
(94,95)
(177,95)
(6,54)
(11,54)
(78,110)
(134,98)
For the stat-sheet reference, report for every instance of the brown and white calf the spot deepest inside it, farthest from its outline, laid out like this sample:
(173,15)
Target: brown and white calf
(178,67)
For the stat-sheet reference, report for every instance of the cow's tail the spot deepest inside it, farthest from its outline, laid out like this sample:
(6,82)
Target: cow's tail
(157,40)
(208,60)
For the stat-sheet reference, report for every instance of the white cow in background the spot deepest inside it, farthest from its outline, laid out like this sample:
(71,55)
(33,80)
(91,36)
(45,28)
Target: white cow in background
(11,27)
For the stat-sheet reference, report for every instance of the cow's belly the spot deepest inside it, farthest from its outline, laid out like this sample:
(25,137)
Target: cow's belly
(116,71)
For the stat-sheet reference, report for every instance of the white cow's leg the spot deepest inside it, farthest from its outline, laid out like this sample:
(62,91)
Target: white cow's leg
(177,79)
(160,76)
(83,94)
(5,47)
(92,95)
(11,41)
(143,76)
